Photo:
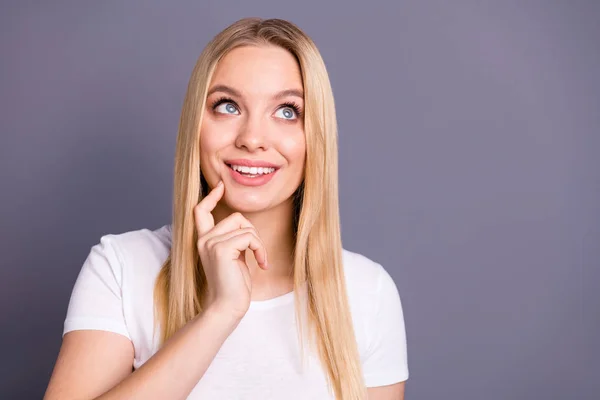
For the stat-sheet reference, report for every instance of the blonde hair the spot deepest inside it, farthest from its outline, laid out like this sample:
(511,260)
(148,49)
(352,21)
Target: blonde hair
(181,284)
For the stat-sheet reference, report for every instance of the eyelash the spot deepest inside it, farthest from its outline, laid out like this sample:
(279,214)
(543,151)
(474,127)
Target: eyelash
(287,104)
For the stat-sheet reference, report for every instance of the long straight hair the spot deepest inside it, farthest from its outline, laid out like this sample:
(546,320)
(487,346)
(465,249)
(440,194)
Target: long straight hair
(181,285)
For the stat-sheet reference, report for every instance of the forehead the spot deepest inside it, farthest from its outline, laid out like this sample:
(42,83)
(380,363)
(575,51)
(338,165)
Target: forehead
(258,70)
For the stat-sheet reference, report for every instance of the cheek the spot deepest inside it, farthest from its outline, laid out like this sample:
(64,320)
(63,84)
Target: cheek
(208,140)
(212,139)
(210,145)
(293,148)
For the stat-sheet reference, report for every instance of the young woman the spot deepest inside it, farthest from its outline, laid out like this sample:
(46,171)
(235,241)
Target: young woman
(248,294)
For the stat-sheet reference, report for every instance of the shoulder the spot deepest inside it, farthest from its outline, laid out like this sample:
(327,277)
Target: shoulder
(136,248)
(378,320)
(364,276)
(366,282)
(370,289)
(114,289)
(130,259)
(135,242)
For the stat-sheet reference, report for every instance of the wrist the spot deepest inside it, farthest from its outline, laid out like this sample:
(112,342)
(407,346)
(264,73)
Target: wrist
(221,317)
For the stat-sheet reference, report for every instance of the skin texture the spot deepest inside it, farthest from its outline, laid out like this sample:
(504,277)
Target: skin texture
(245,238)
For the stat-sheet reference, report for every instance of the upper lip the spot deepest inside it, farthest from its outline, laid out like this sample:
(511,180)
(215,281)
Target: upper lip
(251,163)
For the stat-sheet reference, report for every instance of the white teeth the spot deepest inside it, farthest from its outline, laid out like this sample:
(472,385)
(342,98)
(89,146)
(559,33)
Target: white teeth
(252,170)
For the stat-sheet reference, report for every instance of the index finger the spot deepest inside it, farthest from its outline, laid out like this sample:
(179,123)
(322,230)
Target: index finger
(202,211)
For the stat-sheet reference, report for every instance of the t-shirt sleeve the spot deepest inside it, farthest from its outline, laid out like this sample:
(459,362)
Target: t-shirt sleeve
(96,301)
(386,359)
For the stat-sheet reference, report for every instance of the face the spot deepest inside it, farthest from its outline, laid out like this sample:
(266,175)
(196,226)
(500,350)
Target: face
(252,133)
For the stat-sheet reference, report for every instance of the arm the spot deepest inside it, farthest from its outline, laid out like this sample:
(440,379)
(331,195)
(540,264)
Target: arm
(390,392)
(97,365)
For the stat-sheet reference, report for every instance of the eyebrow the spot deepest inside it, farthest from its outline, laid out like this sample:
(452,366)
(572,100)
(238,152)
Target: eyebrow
(234,92)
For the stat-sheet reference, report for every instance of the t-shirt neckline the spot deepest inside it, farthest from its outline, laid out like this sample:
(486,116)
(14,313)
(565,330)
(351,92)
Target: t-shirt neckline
(274,302)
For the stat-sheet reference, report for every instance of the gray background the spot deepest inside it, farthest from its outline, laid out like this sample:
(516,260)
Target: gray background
(469,133)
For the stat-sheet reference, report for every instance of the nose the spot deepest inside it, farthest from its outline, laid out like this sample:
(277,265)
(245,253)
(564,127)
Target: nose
(252,135)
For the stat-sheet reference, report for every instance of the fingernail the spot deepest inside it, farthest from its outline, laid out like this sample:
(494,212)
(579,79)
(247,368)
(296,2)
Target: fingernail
(220,183)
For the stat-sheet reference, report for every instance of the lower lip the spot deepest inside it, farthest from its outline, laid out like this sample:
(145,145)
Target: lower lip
(257,180)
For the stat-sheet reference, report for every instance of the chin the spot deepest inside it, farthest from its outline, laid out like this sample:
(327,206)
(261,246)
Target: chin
(248,203)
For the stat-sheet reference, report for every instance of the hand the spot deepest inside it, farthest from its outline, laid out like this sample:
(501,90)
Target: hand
(222,250)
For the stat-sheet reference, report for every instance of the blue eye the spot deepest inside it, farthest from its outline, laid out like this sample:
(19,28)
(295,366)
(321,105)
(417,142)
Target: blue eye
(226,108)
(286,113)
(289,111)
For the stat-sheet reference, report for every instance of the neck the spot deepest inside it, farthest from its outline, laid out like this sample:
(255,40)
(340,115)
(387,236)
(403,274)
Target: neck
(275,229)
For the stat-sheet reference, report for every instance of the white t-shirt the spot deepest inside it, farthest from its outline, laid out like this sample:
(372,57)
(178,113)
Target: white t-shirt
(261,358)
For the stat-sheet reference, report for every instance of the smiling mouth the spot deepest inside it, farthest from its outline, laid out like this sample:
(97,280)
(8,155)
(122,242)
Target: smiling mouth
(252,172)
